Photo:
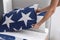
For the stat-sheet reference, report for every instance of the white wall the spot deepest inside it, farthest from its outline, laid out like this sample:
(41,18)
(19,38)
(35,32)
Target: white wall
(7,5)
(25,3)
(55,25)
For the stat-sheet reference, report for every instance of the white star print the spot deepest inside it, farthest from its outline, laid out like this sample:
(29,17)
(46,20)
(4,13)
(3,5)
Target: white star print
(15,29)
(18,30)
(4,14)
(25,17)
(8,21)
(19,9)
(1,38)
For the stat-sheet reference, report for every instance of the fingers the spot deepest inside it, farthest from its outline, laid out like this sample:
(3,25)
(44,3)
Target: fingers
(36,26)
(33,24)
(38,10)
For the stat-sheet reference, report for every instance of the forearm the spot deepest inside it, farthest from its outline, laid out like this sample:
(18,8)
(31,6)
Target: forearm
(42,9)
(50,11)
(47,15)
(45,9)
(59,3)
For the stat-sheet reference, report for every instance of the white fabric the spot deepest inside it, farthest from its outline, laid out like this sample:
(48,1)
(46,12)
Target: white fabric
(27,34)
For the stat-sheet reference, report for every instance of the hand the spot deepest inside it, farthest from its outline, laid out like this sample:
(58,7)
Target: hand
(38,10)
(36,26)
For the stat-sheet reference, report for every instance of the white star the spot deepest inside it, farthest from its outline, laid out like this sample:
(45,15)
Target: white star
(4,14)
(18,30)
(19,9)
(1,38)
(8,21)
(15,29)
(25,17)
(4,30)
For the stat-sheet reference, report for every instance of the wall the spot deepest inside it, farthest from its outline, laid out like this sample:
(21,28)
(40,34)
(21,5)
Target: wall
(55,25)
(25,3)
(7,5)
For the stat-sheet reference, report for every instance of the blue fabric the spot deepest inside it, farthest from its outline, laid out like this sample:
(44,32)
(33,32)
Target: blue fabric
(9,37)
(15,23)
(42,13)
(6,37)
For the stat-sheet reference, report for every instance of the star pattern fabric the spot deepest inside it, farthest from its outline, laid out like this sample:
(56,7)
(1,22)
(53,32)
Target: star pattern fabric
(18,19)
(8,21)
(25,18)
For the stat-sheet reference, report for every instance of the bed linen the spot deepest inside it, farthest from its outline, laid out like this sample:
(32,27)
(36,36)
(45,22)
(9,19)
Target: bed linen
(19,19)
(24,35)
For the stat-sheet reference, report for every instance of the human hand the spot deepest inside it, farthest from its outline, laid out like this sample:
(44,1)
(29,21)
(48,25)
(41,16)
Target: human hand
(36,26)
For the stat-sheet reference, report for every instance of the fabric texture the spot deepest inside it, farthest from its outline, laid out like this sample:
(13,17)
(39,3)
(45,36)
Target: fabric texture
(9,37)
(18,19)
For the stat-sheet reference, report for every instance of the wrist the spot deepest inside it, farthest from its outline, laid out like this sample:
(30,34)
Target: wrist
(39,24)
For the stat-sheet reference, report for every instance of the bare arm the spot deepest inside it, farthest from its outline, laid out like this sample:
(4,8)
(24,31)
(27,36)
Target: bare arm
(46,8)
(53,5)
(51,9)
(59,3)
(43,9)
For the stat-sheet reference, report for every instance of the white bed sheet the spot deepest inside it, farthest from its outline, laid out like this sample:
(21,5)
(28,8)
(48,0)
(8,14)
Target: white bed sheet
(27,34)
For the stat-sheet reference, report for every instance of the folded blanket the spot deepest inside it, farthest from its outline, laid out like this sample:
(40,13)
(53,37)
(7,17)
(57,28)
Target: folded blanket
(19,19)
